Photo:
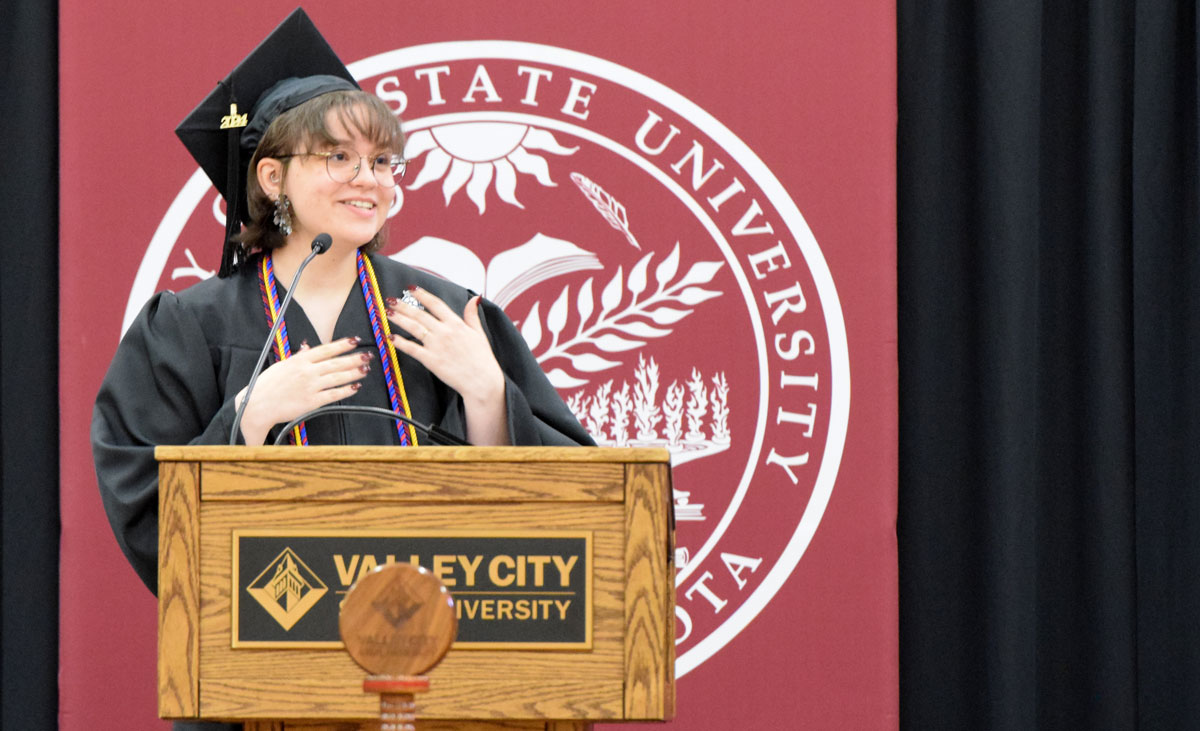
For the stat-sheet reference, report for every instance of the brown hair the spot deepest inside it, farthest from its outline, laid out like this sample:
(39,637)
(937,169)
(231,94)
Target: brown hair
(304,127)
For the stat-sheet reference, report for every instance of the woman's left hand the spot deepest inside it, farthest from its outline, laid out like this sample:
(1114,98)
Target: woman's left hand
(456,350)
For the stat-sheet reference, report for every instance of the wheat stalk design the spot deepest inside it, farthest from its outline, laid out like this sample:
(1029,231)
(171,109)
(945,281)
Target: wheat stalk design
(613,330)
(697,406)
(646,412)
(609,410)
(720,408)
(673,413)
(621,405)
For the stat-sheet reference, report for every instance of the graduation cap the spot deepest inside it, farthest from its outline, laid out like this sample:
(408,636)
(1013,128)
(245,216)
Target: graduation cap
(290,66)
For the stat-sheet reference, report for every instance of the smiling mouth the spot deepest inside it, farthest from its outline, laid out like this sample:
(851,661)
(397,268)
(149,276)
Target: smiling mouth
(361,204)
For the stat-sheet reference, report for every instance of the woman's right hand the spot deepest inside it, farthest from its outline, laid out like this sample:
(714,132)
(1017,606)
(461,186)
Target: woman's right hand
(309,379)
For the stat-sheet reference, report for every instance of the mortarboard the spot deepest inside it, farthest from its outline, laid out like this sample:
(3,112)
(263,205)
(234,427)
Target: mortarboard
(290,66)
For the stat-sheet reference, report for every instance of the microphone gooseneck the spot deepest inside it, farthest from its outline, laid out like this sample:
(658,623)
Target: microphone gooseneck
(320,245)
(435,433)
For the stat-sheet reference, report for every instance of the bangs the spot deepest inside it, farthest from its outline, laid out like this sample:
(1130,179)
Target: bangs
(356,111)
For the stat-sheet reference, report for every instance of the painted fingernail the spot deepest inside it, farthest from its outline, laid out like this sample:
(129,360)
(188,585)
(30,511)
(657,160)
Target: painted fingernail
(355,386)
(365,368)
(366,357)
(304,345)
(354,340)
(412,288)
(392,302)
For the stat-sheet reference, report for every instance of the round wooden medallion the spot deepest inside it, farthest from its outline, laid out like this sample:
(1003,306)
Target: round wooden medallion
(398,620)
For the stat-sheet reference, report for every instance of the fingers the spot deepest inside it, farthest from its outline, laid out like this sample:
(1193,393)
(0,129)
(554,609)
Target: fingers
(471,314)
(332,365)
(405,318)
(347,373)
(359,359)
(407,347)
(327,350)
(331,395)
(416,320)
(455,349)
(311,378)
(436,319)
(297,381)
(434,306)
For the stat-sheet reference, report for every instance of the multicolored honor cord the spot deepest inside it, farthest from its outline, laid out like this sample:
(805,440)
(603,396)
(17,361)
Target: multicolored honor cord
(387,351)
(283,350)
(379,327)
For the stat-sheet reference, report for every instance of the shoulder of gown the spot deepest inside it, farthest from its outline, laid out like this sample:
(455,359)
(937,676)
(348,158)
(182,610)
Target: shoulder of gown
(161,388)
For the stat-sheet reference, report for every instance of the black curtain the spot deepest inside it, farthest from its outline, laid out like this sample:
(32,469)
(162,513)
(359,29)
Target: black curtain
(1049,275)
(29,365)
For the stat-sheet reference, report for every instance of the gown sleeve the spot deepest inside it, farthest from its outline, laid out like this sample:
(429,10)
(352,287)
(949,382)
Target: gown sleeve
(537,415)
(161,388)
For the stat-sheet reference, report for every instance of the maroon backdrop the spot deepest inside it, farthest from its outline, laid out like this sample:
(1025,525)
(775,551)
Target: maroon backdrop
(711,188)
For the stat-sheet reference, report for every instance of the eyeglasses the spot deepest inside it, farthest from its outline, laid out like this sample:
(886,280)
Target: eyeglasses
(343,165)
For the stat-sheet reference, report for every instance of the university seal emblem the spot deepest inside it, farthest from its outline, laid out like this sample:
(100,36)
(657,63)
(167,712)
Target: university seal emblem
(663,278)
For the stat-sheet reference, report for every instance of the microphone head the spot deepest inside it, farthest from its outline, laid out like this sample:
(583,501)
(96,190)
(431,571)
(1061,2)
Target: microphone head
(322,243)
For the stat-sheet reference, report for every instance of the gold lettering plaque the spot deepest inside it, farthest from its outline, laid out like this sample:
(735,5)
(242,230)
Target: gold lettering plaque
(511,589)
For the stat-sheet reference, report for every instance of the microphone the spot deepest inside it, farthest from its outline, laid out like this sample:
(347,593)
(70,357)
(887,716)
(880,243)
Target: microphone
(320,245)
(435,433)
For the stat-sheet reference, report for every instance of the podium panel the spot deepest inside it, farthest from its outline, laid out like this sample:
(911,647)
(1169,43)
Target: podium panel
(616,500)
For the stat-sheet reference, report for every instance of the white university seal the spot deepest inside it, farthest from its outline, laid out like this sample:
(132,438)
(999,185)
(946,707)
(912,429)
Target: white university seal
(661,275)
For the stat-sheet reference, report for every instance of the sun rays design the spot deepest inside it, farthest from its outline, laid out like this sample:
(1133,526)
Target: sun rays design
(478,154)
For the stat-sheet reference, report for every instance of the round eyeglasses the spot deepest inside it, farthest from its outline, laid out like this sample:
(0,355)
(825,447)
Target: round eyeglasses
(343,165)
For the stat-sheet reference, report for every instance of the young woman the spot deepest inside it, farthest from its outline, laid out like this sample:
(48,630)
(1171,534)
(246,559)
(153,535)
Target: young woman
(331,165)
(324,158)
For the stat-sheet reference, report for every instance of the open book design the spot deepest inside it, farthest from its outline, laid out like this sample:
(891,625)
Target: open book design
(508,274)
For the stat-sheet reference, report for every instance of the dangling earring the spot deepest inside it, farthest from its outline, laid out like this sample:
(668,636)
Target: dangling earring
(283,216)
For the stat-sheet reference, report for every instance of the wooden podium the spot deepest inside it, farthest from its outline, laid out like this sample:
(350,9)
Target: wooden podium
(617,501)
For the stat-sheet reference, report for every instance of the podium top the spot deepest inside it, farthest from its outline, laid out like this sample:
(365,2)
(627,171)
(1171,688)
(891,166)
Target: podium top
(205,453)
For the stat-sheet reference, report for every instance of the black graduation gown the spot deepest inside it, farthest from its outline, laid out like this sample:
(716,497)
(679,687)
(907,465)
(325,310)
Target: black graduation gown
(188,354)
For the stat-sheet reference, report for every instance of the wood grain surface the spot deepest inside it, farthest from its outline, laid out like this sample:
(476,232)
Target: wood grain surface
(649,595)
(433,481)
(268,683)
(424,725)
(179,590)
(547,455)
(620,495)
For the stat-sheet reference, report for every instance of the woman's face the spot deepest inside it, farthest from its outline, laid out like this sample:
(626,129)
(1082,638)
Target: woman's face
(351,212)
